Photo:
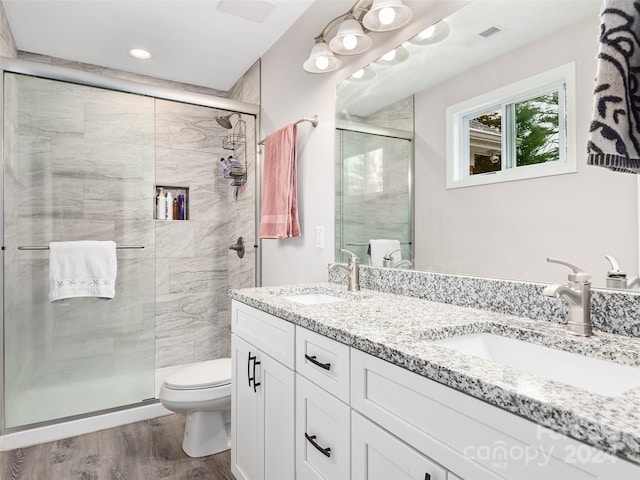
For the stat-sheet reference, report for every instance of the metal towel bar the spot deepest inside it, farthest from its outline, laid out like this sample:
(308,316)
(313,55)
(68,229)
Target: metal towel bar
(366,244)
(46,247)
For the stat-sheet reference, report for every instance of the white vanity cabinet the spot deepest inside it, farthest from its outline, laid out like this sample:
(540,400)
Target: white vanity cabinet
(473,439)
(307,407)
(263,396)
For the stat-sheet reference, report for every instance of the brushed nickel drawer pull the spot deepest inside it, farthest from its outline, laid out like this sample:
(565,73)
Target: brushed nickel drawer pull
(312,440)
(312,359)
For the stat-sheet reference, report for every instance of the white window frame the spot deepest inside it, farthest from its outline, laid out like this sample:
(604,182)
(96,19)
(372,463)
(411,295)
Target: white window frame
(458,127)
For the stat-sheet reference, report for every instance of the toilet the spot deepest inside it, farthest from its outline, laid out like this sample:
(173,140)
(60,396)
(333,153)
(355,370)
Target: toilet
(202,392)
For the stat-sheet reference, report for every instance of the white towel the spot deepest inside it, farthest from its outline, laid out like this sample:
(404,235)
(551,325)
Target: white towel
(82,269)
(380,248)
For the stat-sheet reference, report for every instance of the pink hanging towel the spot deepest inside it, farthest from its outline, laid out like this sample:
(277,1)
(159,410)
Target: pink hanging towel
(279,212)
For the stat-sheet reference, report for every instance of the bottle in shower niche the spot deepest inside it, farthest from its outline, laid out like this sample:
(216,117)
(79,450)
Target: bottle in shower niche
(169,206)
(161,205)
(174,208)
(181,208)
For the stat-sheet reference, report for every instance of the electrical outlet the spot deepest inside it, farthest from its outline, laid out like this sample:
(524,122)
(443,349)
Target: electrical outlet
(319,237)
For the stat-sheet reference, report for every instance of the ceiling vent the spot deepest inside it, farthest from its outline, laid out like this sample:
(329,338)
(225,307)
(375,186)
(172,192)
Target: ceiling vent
(489,32)
(254,10)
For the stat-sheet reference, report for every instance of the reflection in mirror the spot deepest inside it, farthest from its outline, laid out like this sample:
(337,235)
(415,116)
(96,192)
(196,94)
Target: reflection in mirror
(502,230)
(374,171)
(516,132)
(484,136)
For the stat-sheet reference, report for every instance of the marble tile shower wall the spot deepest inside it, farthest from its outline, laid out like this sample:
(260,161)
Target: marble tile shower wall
(242,208)
(73,171)
(189,326)
(192,308)
(611,311)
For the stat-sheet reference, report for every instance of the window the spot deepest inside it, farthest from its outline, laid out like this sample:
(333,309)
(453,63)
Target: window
(523,130)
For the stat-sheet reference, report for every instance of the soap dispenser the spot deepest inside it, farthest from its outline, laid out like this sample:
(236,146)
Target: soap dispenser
(616,278)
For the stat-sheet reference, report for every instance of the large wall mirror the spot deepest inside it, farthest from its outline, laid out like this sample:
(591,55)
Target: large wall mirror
(501,230)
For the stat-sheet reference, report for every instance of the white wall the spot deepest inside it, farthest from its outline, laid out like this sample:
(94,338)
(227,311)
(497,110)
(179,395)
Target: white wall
(289,93)
(507,230)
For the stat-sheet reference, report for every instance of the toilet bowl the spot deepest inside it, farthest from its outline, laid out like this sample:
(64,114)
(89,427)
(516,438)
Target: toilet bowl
(202,392)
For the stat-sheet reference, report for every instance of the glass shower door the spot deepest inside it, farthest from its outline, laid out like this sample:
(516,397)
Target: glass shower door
(374,192)
(78,165)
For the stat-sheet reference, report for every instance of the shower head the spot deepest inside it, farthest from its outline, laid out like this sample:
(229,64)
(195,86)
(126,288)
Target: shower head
(225,120)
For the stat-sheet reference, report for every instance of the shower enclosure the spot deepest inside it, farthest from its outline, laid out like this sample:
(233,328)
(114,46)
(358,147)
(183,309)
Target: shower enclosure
(73,169)
(84,163)
(374,178)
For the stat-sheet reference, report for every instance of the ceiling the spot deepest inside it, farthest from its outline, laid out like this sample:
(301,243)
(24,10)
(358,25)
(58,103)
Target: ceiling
(211,43)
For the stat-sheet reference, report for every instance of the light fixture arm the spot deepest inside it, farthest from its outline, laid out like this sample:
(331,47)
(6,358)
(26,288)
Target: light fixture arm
(336,21)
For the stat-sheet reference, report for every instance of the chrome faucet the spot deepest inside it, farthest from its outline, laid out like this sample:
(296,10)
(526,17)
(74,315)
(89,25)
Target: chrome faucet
(616,278)
(387,260)
(352,268)
(577,294)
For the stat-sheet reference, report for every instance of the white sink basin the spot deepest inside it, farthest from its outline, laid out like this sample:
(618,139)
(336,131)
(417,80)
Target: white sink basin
(598,376)
(313,298)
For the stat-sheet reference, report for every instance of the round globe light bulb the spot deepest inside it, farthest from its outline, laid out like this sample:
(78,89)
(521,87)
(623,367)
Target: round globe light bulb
(140,53)
(428,33)
(358,74)
(387,15)
(389,56)
(350,42)
(322,63)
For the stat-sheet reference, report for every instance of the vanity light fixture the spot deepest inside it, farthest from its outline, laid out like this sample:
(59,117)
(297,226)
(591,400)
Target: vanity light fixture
(434,34)
(387,15)
(321,59)
(363,75)
(351,38)
(393,57)
(139,53)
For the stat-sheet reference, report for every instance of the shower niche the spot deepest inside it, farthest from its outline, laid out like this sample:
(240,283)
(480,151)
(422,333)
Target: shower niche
(176,203)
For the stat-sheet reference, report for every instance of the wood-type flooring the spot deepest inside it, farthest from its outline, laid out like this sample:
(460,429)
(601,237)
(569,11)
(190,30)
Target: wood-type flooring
(148,450)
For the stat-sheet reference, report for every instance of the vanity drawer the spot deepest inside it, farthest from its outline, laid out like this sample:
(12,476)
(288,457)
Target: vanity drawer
(323,361)
(272,335)
(378,455)
(323,450)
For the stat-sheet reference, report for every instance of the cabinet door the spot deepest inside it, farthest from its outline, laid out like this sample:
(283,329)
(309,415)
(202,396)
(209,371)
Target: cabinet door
(378,455)
(245,413)
(322,434)
(277,393)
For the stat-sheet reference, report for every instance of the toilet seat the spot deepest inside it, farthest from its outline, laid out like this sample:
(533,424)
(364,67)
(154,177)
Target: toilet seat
(209,374)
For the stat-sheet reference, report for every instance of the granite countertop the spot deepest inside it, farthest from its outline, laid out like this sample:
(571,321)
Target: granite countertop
(402,331)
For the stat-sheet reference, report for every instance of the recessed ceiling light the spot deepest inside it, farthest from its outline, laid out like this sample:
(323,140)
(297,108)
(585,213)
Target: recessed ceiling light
(139,53)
